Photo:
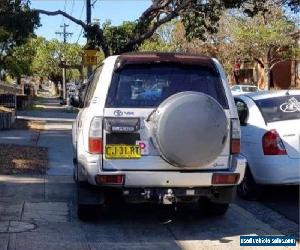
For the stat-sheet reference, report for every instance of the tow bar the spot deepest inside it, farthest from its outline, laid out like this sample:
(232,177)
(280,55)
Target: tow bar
(163,197)
(169,197)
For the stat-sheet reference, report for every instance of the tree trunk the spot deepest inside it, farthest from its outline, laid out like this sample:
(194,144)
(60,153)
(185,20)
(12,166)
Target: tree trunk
(267,77)
(268,69)
(19,80)
(236,76)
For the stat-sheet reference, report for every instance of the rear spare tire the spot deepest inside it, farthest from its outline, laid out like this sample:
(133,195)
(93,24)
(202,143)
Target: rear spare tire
(190,129)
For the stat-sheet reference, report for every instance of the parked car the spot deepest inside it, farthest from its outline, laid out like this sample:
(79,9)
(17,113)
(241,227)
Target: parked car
(158,128)
(77,98)
(241,88)
(270,139)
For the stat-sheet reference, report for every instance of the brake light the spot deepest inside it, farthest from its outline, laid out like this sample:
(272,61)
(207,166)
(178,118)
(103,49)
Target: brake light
(95,145)
(95,136)
(110,179)
(235,140)
(272,143)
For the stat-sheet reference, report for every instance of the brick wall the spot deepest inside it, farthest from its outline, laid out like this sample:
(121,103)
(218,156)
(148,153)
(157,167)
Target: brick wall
(282,75)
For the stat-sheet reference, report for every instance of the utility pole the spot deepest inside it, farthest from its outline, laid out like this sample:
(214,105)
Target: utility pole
(65,35)
(89,21)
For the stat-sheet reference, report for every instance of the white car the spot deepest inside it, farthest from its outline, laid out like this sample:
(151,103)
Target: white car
(158,127)
(241,89)
(270,139)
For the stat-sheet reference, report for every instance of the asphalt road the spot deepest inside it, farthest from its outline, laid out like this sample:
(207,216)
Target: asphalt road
(40,213)
(284,200)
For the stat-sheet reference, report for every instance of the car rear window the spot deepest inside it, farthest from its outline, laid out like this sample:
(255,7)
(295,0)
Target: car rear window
(280,108)
(147,85)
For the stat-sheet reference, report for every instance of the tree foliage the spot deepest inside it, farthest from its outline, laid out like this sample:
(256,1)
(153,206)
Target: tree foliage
(162,40)
(117,37)
(198,17)
(266,39)
(52,55)
(216,45)
(42,58)
(17,23)
(19,61)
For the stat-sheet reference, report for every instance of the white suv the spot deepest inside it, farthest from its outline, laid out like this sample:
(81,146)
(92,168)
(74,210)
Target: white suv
(157,127)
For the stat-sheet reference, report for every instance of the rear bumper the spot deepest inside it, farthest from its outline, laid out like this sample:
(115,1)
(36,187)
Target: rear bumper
(89,194)
(186,179)
(176,179)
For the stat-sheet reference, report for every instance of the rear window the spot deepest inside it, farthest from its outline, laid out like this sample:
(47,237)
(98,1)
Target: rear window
(147,85)
(280,108)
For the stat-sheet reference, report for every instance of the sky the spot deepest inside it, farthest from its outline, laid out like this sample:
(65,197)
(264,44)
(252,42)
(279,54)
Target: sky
(115,10)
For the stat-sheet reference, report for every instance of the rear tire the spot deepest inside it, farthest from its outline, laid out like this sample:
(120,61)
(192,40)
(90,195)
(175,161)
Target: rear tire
(248,189)
(90,201)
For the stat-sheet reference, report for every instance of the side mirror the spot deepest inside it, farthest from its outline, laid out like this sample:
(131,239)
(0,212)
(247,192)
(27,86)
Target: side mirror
(243,117)
(75,102)
(242,112)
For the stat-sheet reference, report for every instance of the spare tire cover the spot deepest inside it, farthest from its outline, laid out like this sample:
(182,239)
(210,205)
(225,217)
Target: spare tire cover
(190,129)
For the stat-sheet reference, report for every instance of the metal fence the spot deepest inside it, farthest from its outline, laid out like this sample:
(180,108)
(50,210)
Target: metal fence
(6,120)
(8,101)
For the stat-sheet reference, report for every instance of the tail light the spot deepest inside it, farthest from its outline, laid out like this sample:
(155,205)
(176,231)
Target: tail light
(235,140)
(272,143)
(220,178)
(116,179)
(95,136)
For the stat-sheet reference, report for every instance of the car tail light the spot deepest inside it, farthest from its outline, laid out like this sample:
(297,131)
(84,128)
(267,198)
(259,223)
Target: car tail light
(272,143)
(95,136)
(110,179)
(235,140)
(221,178)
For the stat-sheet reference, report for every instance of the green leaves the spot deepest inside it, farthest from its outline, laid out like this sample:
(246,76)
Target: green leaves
(17,23)
(43,58)
(20,59)
(117,37)
(51,54)
(202,18)
(263,36)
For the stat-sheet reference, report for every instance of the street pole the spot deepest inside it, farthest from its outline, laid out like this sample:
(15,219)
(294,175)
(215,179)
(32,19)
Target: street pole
(65,34)
(64,85)
(89,21)
(88,11)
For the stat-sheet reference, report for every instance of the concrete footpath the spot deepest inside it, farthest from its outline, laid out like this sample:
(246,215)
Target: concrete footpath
(39,212)
(58,143)
(56,136)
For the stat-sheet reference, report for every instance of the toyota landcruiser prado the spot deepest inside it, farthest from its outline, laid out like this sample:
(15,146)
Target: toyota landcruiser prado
(158,127)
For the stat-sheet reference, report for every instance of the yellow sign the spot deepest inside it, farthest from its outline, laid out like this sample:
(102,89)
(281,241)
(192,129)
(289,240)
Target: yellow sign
(90,57)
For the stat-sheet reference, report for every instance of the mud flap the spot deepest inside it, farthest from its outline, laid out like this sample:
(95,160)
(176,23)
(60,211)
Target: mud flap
(89,195)
(223,194)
